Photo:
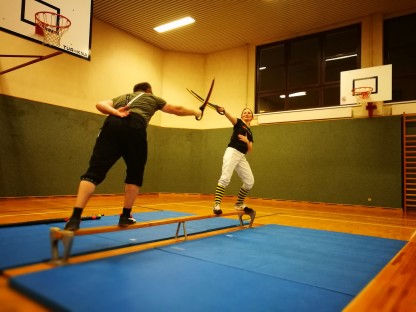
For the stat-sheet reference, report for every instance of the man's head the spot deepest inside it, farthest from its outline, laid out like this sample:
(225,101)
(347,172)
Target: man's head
(143,86)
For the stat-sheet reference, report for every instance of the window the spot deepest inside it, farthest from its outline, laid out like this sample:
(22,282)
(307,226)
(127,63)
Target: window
(305,72)
(400,51)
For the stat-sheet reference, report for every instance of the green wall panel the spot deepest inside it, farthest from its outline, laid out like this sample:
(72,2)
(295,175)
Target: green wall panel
(45,148)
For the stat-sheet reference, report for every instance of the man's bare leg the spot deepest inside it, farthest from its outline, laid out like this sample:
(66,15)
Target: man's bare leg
(130,193)
(85,190)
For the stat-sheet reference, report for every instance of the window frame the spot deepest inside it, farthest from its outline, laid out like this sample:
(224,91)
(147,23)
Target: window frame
(317,89)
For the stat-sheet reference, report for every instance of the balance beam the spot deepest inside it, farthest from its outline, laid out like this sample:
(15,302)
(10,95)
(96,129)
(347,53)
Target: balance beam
(56,234)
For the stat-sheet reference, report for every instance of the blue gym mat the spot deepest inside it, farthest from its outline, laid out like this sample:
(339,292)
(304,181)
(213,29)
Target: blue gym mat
(269,268)
(24,245)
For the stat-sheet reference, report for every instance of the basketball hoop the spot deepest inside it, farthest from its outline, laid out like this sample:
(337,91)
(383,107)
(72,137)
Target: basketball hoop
(51,26)
(362,94)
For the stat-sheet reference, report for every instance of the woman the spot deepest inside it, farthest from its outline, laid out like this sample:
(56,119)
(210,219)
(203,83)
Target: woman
(241,143)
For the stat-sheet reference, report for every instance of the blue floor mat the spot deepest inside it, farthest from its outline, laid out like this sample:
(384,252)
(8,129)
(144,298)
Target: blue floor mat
(26,245)
(269,268)
(299,254)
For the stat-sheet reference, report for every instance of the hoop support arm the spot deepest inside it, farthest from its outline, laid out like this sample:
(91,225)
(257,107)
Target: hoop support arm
(38,59)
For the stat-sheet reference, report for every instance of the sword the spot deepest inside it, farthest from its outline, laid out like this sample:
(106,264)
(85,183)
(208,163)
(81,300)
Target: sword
(209,104)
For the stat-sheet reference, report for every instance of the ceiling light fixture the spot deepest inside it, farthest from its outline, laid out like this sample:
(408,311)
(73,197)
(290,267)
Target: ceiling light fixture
(301,93)
(340,57)
(175,24)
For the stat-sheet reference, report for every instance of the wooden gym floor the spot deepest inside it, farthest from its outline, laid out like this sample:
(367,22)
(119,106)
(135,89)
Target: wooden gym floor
(393,289)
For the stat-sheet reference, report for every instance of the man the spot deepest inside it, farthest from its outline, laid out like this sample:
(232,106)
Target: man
(123,135)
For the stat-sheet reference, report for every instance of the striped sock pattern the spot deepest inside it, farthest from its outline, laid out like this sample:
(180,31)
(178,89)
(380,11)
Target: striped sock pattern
(241,196)
(219,193)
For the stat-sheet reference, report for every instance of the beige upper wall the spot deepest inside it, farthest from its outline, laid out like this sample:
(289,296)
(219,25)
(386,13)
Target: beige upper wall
(181,71)
(118,61)
(230,69)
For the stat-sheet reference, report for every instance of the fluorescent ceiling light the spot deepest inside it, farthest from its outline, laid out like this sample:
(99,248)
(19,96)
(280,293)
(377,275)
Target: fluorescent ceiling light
(175,24)
(302,93)
(340,57)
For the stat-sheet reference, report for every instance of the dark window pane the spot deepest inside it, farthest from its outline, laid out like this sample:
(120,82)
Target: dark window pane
(272,56)
(403,89)
(306,50)
(333,68)
(341,51)
(302,75)
(331,96)
(400,52)
(271,79)
(309,100)
(303,68)
(270,103)
(404,60)
(342,42)
(270,68)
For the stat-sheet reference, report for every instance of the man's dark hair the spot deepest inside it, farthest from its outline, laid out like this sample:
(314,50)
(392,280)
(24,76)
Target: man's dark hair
(143,86)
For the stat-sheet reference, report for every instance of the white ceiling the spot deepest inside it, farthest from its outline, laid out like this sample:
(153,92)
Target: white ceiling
(226,24)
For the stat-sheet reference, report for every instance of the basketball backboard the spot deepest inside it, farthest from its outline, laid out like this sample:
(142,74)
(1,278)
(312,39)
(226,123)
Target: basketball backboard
(379,78)
(18,18)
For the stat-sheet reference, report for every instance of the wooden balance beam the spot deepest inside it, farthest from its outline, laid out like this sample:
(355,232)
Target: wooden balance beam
(56,234)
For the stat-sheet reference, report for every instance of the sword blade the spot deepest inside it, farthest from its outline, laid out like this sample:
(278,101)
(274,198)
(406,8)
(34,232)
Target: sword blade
(201,99)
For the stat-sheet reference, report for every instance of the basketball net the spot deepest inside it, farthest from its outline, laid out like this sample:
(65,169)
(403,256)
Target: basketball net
(362,94)
(51,26)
